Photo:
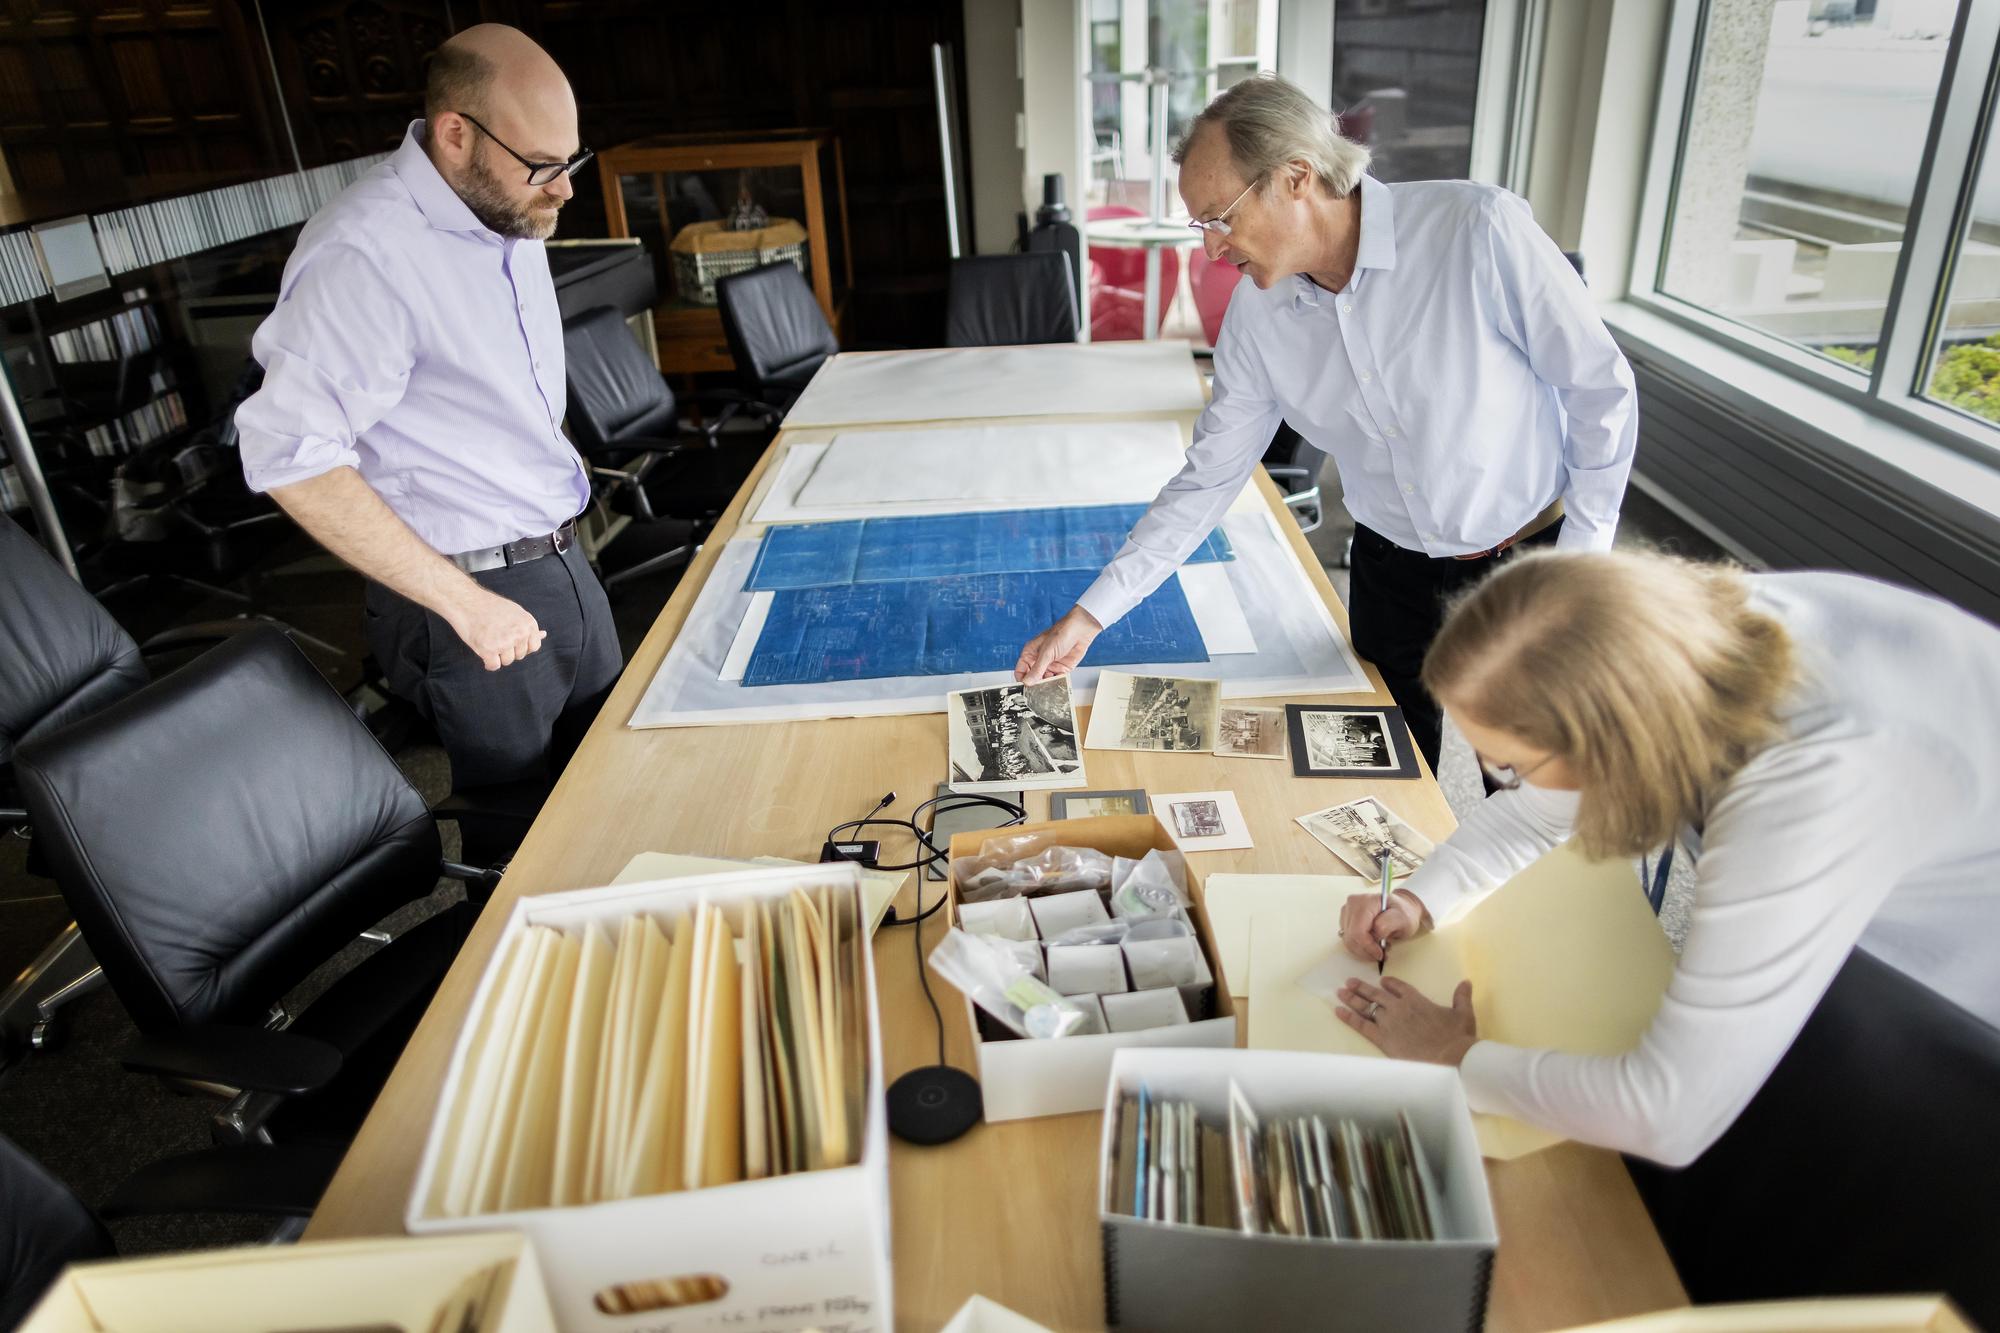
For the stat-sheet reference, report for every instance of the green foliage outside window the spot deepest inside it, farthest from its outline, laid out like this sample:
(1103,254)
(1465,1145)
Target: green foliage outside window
(1967,375)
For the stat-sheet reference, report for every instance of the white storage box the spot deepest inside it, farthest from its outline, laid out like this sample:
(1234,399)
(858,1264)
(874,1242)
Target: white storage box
(1173,1276)
(400,1283)
(1020,1076)
(806,1250)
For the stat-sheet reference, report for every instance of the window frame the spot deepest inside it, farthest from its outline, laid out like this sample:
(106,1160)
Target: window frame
(1960,138)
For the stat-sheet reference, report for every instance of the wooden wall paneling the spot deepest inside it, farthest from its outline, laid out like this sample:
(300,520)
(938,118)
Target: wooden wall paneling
(352,71)
(168,92)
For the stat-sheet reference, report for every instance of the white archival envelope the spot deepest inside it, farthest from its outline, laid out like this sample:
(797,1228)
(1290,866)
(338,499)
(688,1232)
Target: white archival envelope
(1038,464)
(965,383)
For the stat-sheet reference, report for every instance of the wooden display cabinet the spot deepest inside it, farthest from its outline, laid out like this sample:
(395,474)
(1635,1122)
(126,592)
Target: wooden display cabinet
(653,188)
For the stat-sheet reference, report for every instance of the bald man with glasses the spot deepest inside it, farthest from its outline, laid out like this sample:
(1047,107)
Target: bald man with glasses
(411,414)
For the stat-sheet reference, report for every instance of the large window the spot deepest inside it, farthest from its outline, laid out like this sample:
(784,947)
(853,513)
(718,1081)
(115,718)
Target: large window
(1819,196)
(1405,77)
(1964,373)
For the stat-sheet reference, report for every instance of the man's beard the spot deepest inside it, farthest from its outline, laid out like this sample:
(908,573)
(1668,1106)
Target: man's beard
(489,201)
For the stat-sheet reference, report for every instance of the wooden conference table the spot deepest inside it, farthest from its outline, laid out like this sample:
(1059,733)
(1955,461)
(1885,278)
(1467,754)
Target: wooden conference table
(1009,1211)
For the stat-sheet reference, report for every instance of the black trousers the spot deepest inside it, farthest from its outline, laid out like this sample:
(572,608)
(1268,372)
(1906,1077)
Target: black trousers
(519,723)
(1395,607)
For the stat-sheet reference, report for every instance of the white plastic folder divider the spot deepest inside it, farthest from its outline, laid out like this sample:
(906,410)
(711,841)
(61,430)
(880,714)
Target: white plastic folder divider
(1171,1276)
(806,1250)
(399,1283)
(966,383)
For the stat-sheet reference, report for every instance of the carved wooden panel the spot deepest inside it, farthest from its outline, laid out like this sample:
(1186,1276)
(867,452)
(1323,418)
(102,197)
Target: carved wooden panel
(353,71)
(133,91)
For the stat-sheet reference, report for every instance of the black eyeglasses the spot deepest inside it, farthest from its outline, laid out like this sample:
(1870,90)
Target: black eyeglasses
(1505,777)
(539,173)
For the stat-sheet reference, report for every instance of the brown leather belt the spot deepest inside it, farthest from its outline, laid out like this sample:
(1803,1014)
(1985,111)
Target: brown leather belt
(516,552)
(1535,525)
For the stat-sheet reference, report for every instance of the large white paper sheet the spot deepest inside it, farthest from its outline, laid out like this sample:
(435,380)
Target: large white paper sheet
(1069,463)
(963,383)
(1298,648)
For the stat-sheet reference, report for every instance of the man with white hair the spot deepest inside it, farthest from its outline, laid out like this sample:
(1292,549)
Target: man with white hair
(1427,335)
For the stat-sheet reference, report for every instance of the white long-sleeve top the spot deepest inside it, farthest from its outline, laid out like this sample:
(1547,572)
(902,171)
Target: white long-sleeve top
(1875,820)
(1462,381)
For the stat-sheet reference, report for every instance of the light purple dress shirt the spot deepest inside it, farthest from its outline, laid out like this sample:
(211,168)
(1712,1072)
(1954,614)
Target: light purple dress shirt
(425,351)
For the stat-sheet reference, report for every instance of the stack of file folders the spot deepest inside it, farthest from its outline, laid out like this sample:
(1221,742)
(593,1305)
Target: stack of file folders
(694,1058)
(1274,1189)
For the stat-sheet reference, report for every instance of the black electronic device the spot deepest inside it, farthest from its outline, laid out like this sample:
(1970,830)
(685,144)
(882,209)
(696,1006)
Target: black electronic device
(934,1104)
(865,850)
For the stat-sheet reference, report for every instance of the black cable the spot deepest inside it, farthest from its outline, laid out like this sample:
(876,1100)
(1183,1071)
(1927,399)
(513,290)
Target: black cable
(932,855)
(923,972)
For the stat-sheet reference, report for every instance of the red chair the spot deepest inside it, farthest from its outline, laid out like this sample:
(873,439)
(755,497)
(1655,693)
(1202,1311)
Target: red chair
(1212,282)
(1118,283)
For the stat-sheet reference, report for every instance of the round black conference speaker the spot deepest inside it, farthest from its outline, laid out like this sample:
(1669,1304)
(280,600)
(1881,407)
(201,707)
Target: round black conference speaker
(934,1104)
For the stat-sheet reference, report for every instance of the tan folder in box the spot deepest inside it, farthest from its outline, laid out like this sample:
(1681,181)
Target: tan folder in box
(402,1283)
(805,1249)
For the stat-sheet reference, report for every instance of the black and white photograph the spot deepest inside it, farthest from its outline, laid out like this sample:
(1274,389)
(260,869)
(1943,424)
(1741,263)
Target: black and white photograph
(1198,819)
(1091,804)
(1332,742)
(1204,821)
(1011,737)
(1362,832)
(1250,733)
(1154,713)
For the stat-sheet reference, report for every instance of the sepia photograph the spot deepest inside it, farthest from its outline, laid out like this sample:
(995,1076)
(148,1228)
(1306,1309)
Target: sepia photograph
(1090,804)
(1250,733)
(1330,742)
(1204,821)
(1014,736)
(1362,832)
(1156,713)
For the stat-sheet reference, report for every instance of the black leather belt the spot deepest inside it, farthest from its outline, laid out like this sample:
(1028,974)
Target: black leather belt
(516,552)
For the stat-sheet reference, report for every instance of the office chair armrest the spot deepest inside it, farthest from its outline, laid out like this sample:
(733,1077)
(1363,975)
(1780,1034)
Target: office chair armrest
(13,814)
(201,634)
(1287,472)
(252,1059)
(284,1180)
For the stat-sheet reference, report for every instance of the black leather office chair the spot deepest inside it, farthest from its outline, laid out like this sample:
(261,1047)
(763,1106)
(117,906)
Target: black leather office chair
(43,1229)
(624,419)
(219,835)
(1008,300)
(1868,1163)
(64,658)
(44,1226)
(778,335)
(1294,464)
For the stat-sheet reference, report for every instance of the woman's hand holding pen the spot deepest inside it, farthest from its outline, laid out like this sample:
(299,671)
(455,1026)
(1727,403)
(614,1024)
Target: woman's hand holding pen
(1366,927)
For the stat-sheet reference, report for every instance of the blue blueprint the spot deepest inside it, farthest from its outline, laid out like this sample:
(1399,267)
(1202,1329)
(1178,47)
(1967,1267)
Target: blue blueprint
(931,546)
(939,626)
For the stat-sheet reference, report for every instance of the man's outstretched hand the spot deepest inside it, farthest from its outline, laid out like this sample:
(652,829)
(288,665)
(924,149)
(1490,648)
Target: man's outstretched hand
(1057,649)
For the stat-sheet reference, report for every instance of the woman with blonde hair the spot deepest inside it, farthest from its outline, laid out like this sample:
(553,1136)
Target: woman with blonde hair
(1824,746)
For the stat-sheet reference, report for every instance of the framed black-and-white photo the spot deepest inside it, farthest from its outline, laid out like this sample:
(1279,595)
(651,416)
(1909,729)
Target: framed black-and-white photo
(1090,804)
(1337,742)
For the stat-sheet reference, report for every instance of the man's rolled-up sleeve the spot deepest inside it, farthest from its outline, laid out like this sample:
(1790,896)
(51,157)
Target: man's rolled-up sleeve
(337,355)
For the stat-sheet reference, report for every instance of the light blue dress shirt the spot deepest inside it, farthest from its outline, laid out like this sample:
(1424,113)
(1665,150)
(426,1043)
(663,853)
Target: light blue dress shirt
(423,350)
(1462,382)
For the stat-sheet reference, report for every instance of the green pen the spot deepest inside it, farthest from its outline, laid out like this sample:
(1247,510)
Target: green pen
(1388,880)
